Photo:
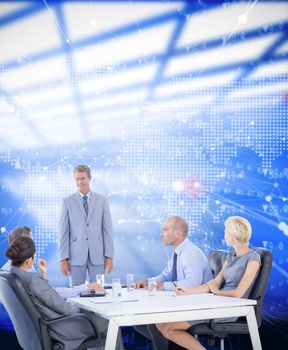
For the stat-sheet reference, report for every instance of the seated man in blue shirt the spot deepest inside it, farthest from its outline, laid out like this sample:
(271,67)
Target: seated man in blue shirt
(191,265)
(64,292)
(188,266)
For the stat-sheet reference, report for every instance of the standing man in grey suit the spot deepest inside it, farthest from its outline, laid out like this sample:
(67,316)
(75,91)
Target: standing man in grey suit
(85,231)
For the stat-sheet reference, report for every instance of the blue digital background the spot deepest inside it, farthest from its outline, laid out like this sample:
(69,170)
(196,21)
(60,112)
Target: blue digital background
(179,108)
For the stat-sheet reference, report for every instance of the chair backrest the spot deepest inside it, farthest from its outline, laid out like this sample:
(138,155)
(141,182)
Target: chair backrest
(216,260)
(260,285)
(23,314)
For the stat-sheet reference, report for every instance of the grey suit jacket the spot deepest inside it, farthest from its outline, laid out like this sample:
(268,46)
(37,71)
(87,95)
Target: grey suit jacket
(79,235)
(49,304)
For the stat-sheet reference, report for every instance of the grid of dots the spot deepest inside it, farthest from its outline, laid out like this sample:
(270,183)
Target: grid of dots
(178,157)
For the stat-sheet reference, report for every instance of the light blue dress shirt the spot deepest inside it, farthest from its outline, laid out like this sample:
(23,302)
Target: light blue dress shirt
(74,291)
(64,292)
(192,267)
(83,195)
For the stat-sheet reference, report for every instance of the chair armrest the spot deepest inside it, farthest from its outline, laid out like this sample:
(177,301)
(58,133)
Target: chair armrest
(73,316)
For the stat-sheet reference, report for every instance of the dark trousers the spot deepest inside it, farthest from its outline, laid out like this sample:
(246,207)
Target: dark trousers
(151,332)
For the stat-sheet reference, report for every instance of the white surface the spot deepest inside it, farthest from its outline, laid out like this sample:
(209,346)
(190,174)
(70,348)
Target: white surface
(166,307)
(162,302)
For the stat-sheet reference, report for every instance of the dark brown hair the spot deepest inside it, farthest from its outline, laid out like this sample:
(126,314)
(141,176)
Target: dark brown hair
(22,248)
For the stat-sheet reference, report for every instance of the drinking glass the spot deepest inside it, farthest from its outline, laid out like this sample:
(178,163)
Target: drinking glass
(130,281)
(116,290)
(100,279)
(69,280)
(152,286)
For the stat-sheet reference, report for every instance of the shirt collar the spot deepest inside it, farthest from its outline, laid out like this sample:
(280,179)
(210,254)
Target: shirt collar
(180,247)
(87,195)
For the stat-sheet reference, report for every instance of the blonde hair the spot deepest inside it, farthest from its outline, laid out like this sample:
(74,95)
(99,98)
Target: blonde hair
(179,224)
(83,168)
(239,227)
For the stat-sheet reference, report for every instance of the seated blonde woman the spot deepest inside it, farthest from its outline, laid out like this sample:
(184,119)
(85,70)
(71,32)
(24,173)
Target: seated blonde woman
(235,279)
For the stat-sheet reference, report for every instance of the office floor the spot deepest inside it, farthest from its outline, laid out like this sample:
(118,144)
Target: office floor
(273,335)
(270,336)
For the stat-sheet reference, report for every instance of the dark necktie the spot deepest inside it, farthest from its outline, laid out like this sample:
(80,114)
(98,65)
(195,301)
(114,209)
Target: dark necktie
(85,204)
(174,268)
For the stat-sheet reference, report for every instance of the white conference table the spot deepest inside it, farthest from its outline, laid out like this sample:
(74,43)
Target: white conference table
(137,307)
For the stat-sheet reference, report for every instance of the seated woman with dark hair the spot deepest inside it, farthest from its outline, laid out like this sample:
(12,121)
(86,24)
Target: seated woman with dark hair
(235,279)
(48,302)
(64,292)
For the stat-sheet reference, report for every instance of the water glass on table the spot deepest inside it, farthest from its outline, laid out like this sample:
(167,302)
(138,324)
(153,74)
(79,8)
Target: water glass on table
(100,279)
(69,280)
(116,291)
(130,281)
(152,286)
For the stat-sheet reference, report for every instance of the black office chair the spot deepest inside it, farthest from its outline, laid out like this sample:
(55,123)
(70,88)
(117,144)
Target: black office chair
(222,330)
(31,329)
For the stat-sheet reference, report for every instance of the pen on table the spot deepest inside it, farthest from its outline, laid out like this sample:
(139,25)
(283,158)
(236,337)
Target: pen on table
(177,288)
(111,302)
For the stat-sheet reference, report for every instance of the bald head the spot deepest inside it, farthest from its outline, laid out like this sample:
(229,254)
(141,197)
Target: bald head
(174,231)
(179,223)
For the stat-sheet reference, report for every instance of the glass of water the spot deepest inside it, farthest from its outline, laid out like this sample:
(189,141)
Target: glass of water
(116,290)
(100,279)
(69,279)
(152,286)
(130,281)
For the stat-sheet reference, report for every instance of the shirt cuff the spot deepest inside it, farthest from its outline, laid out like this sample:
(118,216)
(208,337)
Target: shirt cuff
(168,286)
(81,288)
